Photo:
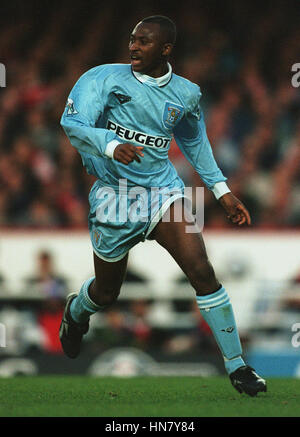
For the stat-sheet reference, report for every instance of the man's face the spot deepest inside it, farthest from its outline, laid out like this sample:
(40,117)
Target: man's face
(146,48)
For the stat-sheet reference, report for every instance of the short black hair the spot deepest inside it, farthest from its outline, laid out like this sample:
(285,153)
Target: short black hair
(167,25)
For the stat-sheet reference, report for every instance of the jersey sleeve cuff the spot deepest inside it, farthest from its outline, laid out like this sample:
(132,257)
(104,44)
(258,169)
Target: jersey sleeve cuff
(110,148)
(219,189)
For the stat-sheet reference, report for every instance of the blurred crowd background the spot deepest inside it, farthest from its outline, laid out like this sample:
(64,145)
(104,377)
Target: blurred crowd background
(240,53)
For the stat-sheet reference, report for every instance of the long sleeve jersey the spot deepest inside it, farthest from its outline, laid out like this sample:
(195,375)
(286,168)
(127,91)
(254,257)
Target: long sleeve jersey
(112,103)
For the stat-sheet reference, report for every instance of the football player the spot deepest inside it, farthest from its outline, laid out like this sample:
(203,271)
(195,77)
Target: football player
(121,118)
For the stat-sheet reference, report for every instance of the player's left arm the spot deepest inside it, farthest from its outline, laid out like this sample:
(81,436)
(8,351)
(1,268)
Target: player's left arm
(191,137)
(235,210)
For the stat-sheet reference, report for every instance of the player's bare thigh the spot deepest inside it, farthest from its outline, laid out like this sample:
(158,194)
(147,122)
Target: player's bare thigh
(105,289)
(188,250)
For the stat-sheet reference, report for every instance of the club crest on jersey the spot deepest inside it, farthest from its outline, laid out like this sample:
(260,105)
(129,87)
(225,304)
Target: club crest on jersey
(97,236)
(172,114)
(71,107)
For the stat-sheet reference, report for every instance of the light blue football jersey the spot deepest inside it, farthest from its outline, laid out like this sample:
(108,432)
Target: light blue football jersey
(111,102)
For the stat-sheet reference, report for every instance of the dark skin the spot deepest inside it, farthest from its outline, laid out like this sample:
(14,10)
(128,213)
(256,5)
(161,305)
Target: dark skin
(149,55)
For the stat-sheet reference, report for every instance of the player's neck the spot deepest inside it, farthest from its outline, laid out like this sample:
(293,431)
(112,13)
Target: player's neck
(158,71)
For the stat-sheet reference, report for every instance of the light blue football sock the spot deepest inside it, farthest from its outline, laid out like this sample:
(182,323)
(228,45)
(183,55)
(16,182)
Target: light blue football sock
(217,311)
(82,307)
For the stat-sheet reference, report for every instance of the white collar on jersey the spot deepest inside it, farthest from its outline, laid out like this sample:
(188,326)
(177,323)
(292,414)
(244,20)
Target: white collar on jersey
(160,81)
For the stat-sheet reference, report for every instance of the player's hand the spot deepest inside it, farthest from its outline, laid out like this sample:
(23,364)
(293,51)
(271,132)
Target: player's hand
(236,211)
(126,153)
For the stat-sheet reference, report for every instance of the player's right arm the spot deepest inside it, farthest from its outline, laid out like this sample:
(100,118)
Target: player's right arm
(85,106)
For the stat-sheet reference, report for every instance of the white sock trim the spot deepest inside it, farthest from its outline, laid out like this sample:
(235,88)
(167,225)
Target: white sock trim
(87,298)
(215,304)
(232,359)
(213,301)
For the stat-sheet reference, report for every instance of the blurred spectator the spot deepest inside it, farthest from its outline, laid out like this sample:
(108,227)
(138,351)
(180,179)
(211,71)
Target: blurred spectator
(46,282)
(138,324)
(52,288)
(290,298)
(115,332)
(197,339)
(119,328)
(22,332)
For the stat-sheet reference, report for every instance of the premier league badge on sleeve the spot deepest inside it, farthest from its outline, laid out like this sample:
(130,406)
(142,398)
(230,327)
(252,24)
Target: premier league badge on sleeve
(172,114)
(71,107)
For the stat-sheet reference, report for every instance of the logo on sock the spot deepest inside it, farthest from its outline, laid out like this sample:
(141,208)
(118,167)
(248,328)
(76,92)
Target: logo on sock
(230,329)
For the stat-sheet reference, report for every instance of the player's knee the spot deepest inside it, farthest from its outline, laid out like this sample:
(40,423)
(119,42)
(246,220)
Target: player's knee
(202,277)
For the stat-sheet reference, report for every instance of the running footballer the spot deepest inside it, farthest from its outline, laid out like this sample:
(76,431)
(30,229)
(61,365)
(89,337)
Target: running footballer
(121,119)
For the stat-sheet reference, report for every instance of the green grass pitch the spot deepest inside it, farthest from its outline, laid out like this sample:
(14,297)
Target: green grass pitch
(83,396)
